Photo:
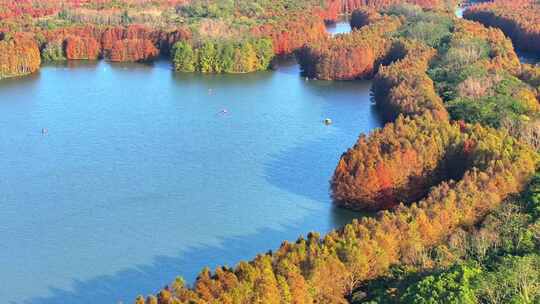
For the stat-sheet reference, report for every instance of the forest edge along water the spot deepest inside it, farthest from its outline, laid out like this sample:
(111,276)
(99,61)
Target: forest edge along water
(128,175)
(461,113)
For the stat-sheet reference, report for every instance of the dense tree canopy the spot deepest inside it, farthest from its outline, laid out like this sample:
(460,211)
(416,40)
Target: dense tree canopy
(223,56)
(403,87)
(349,56)
(443,173)
(133,50)
(19,55)
(520,20)
(88,29)
(496,261)
(433,176)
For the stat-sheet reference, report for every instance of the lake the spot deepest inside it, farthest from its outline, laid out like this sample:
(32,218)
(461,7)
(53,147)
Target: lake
(528,57)
(341,27)
(119,177)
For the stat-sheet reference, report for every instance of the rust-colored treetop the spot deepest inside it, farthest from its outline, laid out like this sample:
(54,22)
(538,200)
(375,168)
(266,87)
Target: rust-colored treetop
(518,19)
(88,29)
(462,111)
(441,165)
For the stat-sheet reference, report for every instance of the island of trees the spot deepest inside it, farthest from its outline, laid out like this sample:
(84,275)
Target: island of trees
(451,180)
(211,36)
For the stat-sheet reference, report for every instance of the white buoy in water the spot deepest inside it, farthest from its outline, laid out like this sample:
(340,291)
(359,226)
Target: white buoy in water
(327,121)
(44,131)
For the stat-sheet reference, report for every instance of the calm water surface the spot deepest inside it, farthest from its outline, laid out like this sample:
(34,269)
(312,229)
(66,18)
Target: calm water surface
(528,57)
(142,176)
(341,27)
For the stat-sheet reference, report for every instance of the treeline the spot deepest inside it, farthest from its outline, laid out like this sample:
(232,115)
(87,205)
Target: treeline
(350,56)
(19,55)
(520,20)
(349,6)
(404,87)
(88,29)
(223,56)
(434,177)
(131,43)
(360,53)
(328,269)
(124,30)
(363,16)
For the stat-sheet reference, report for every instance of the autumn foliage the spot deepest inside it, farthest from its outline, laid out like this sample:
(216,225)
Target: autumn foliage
(520,20)
(362,17)
(292,34)
(349,56)
(433,174)
(82,48)
(531,75)
(398,163)
(351,5)
(18,56)
(82,42)
(404,87)
(426,174)
(133,50)
(325,270)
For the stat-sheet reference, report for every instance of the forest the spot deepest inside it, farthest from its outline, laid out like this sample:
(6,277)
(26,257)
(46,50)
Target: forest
(451,179)
(244,35)
(451,182)
(520,20)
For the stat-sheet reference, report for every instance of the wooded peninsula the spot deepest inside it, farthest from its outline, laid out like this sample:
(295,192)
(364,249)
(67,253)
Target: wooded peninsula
(450,181)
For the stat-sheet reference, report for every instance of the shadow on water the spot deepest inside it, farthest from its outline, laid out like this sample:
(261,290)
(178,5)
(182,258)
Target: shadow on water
(125,285)
(287,169)
(303,170)
(221,80)
(21,82)
(528,57)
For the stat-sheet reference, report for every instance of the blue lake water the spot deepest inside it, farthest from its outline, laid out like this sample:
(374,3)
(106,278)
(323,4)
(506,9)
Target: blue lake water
(528,57)
(142,176)
(340,27)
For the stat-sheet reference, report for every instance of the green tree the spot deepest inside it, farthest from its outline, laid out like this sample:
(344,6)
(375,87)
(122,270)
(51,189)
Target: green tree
(227,57)
(451,287)
(125,18)
(207,57)
(265,52)
(53,52)
(514,280)
(184,58)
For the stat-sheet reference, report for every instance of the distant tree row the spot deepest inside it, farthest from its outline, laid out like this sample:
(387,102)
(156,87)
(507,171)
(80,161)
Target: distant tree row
(349,56)
(77,29)
(131,43)
(223,56)
(520,20)
(351,5)
(19,55)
